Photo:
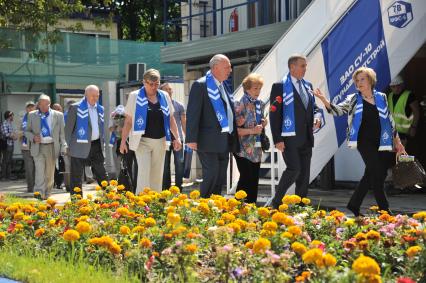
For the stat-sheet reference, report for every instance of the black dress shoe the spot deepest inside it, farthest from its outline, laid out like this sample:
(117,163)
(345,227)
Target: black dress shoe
(355,211)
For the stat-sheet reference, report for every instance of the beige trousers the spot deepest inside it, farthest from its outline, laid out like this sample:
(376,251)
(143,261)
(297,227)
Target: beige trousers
(44,170)
(150,156)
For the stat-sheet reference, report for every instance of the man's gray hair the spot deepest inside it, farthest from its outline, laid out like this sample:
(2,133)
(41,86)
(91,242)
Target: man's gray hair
(163,85)
(294,58)
(91,87)
(216,59)
(152,75)
(44,97)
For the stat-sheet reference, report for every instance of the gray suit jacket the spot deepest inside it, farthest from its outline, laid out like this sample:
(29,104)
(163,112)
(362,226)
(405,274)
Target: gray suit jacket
(57,132)
(79,150)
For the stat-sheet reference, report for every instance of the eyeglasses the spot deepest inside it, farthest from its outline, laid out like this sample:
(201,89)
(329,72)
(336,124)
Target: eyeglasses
(152,84)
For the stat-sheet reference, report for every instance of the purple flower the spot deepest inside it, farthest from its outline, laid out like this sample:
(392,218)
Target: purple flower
(237,272)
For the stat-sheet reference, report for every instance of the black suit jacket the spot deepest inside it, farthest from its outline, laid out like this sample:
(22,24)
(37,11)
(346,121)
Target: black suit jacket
(202,126)
(304,119)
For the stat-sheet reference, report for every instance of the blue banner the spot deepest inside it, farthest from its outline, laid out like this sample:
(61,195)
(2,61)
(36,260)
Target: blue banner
(357,40)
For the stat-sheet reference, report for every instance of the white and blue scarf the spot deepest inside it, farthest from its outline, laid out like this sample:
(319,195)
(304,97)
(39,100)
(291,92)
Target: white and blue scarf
(216,101)
(83,120)
(289,124)
(258,109)
(141,111)
(24,127)
(44,125)
(386,135)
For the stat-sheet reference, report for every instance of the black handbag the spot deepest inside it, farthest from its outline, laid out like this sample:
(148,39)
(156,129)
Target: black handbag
(264,141)
(124,175)
(408,174)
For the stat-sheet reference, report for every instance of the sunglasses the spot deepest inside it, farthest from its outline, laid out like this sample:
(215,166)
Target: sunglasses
(152,84)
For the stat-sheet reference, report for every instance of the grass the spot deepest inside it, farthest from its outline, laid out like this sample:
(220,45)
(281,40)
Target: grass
(10,199)
(45,269)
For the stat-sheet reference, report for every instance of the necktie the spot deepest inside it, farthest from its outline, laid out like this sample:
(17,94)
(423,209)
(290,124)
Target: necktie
(228,108)
(302,94)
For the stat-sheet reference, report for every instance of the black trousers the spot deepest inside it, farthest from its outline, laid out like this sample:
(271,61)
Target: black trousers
(298,162)
(374,177)
(214,167)
(179,166)
(249,177)
(95,160)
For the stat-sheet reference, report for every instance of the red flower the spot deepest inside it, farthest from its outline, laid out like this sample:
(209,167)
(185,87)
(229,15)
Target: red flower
(273,108)
(405,280)
(279,99)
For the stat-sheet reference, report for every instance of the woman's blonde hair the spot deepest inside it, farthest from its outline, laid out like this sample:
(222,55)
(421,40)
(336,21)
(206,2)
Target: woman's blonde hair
(371,75)
(252,79)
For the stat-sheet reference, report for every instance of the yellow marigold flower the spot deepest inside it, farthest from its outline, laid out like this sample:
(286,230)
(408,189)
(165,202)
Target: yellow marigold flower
(360,236)
(42,207)
(145,243)
(19,226)
(170,209)
(349,222)
(165,194)
(179,230)
(263,212)
(220,222)
(83,202)
(306,201)
(283,207)
(121,187)
(329,260)
(18,216)
(114,248)
(270,226)
(316,243)
(83,227)
(261,245)
(191,248)
(243,224)
(71,235)
(123,211)
(249,245)
(232,202)
(104,183)
(228,217)
(287,235)
(421,215)
(312,255)
(77,190)
(2,236)
(138,229)
(149,222)
(98,188)
(320,214)
(299,248)
(366,266)
(194,194)
(363,244)
(174,190)
(113,183)
(374,207)
(51,202)
(240,194)
(173,218)
(85,210)
(279,217)
(124,230)
(52,222)
(412,251)
(146,198)
(295,230)
(38,233)
(267,233)
(234,226)
(373,235)
(295,199)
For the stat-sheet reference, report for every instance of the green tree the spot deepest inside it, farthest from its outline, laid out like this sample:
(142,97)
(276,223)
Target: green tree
(143,20)
(39,20)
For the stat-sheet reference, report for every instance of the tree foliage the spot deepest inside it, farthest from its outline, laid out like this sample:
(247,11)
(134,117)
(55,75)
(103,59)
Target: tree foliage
(143,20)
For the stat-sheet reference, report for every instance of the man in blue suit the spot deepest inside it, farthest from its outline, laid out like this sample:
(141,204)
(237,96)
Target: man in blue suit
(292,126)
(211,129)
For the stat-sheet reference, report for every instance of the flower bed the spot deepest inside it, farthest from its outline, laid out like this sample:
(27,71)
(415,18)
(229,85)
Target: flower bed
(168,236)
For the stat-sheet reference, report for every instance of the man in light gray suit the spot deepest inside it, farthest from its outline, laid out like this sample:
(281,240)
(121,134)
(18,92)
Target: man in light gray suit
(84,134)
(45,134)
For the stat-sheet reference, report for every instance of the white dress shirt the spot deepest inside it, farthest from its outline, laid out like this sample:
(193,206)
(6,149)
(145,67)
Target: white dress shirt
(93,113)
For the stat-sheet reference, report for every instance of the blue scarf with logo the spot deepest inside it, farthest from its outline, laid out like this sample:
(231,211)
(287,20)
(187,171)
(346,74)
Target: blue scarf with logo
(386,133)
(112,139)
(44,126)
(83,120)
(289,124)
(24,127)
(258,111)
(141,111)
(216,101)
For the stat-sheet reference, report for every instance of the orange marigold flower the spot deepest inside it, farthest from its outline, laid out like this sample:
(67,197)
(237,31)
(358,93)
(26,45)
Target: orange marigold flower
(366,266)
(299,248)
(312,255)
(295,230)
(104,183)
(373,235)
(113,183)
(39,232)
(263,212)
(71,235)
(249,245)
(191,248)
(240,195)
(124,230)
(194,194)
(145,243)
(2,236)
(83,227)
(261,245)
(149,222)
(283,207)
(412,251)
(270,226)
(174,190)
(173,218)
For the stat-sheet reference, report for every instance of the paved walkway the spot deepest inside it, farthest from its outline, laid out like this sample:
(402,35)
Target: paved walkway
(328,199)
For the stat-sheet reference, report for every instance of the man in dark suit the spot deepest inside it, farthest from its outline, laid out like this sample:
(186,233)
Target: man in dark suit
(86,141)
(292,128)
(211,129)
